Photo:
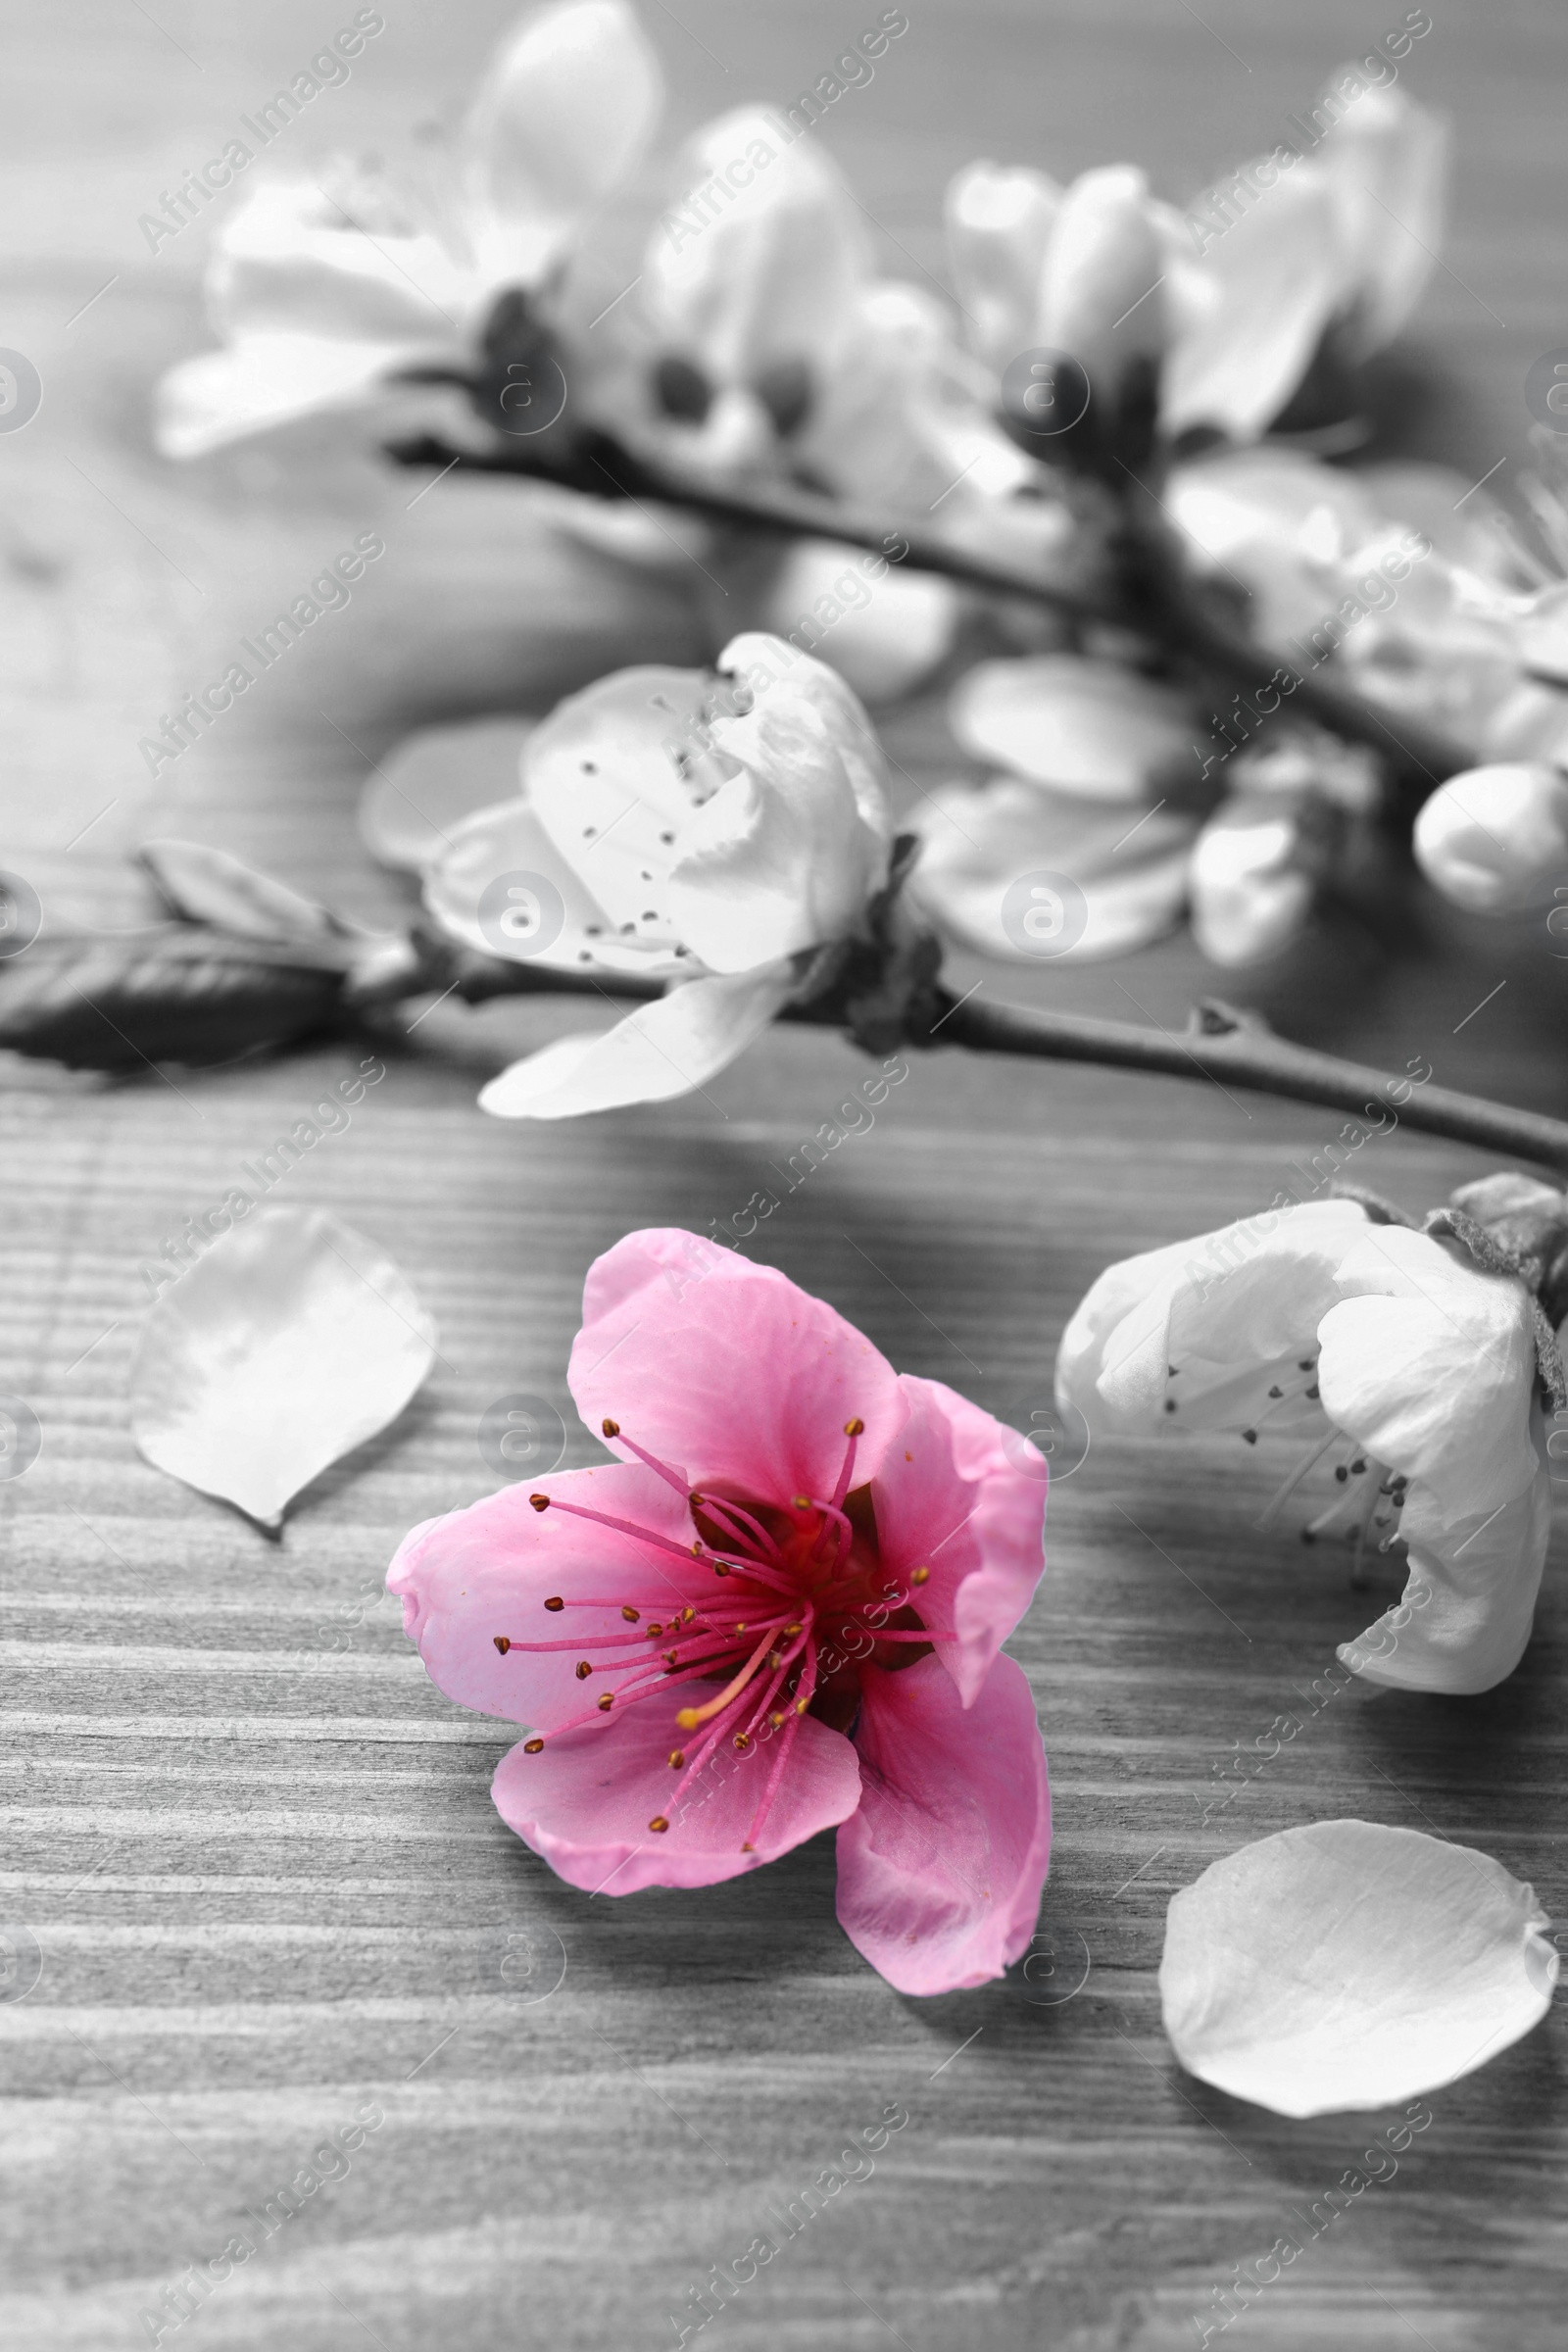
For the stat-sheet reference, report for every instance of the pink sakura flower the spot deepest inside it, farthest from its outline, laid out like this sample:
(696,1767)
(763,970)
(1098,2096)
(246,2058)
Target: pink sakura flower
(780,1610)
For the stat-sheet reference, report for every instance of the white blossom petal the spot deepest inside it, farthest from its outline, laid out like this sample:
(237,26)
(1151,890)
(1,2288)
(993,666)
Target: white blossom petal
(291,1342)
(978,845)
(1485,838)
(998,224)
(1344,1966)
(1277,283)
(904,420)
(1430,1365)
(1223,1306)
(1090,728)
(616,774)
(501,885)
(292,259)
(786,853)
(416,797)
(767,274)
(1250,890)
(763,664)
(1387,162)
(662,1050)
(1102,290)
(564,115)
(882,636)
(263,380)
(1464,1619)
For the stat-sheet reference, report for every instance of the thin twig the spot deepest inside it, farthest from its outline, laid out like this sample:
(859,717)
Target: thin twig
(1220,1045)
(1419,754)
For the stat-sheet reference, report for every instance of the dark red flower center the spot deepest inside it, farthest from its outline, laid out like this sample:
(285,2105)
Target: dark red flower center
(803,1602)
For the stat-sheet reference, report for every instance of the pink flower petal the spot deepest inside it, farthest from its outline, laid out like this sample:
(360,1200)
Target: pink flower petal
(963,1495)
(940,1870)
(585,1802)
(728,1369)
(489,1570)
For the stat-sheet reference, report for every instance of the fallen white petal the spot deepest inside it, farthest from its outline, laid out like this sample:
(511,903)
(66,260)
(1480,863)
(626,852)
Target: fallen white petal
(294,1339)
(666,1049)
(1346,1966)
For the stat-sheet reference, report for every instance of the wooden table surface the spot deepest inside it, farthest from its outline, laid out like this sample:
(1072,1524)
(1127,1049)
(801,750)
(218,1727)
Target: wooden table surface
(262,1866)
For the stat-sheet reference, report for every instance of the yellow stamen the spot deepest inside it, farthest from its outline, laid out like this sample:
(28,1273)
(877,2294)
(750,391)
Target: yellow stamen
(531,1747)
(920,1576)
(690,1717)
(659,1822)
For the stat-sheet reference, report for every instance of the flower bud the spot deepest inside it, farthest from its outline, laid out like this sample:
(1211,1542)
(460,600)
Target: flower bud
(999,225)
(1487,838)
(757,260)
(1099,296)
(1251,885)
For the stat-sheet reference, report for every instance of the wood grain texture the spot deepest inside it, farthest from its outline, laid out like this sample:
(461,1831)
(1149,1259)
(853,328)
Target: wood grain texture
(255,1848)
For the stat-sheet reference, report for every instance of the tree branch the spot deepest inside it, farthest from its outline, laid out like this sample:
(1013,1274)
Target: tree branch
(1238,1049)
(596,465)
